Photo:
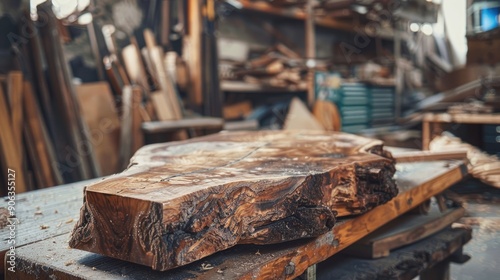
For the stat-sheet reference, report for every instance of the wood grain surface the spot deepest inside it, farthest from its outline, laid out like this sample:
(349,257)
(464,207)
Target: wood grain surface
(181,201)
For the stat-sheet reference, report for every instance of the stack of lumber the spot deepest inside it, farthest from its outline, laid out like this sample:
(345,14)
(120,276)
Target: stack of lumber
(24,142)
(277,67)
(181,201)
(481,165)
(56,130)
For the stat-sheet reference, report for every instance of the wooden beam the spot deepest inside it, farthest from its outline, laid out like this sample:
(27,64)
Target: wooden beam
(186,200)
(193,52)
(188,123)
(403,231)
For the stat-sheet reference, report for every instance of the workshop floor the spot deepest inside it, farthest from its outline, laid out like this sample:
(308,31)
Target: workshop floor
(483,215)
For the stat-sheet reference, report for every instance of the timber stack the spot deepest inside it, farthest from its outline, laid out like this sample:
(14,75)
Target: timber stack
(181,201)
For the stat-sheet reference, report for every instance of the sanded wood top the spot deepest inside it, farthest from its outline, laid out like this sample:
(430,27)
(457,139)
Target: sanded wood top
(226,158)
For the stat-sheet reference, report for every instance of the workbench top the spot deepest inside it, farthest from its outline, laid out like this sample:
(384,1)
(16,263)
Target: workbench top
(48,253)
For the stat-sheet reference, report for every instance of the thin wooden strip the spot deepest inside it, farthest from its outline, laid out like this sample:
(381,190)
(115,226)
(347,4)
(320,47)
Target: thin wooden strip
(137,136)
(430,156)
(169,126)
(134,66)
(15,93)
(126,141)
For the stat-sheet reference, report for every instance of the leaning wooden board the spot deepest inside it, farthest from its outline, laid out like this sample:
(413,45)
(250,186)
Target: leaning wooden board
(417,183)
(181,201)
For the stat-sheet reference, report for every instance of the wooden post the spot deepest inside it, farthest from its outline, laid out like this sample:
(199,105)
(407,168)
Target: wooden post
(193,52)
(426,134)
(310,50)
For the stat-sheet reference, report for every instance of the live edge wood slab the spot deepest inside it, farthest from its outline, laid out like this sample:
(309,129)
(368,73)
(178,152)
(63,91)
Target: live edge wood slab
(181,201)
(417,182)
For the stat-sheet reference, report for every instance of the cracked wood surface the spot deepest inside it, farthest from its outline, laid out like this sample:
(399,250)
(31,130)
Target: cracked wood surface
(181,201)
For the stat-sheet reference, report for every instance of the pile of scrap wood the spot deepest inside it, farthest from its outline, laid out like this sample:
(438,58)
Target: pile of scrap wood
(179,202)
(60,131)
(277,67)
(26,152)
(481,165)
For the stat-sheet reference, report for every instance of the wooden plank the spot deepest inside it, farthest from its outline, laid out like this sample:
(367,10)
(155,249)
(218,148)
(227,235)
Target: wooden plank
(43,157)
(161,105)
(463,118)
(54,257)
(170,126)
(98,110)
(125,150)
(15,93)
(76,155)
(404,263)
(9,146)
(430,156)
(257,184)
(402,231)
(137,135)
(166,85)
(134,66)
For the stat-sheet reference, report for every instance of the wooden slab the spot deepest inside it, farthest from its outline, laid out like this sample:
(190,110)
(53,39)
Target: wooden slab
(179,202)
(99,113)
(402,231)
(53,257)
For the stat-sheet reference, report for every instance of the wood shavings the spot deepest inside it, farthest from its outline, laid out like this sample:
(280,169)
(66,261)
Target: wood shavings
(206,266)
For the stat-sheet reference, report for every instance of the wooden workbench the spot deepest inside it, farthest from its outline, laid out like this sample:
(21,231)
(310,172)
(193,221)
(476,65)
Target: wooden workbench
(52,257)
(432,122)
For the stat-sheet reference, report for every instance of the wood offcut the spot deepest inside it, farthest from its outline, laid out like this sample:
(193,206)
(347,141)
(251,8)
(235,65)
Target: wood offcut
(181,201)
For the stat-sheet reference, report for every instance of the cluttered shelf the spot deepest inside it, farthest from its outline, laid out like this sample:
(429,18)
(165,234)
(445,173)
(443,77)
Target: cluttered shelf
(297,13)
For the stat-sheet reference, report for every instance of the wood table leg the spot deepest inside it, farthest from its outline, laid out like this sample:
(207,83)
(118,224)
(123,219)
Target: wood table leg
(311,272)
(440,271)
(426,135)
